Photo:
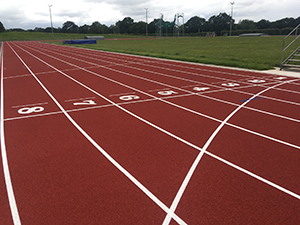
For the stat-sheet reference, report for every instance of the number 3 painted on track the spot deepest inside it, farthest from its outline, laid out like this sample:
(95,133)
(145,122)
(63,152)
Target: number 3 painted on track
(30,110)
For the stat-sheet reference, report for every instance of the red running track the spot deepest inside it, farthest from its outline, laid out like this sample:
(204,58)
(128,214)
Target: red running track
(91,137)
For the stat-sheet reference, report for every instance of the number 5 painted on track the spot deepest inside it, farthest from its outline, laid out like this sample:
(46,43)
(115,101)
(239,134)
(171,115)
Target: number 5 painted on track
(166,92)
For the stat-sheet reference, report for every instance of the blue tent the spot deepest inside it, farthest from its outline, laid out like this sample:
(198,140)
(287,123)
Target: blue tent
(78,42)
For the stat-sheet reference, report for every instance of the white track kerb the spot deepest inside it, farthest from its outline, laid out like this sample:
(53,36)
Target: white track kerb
(9,188)
(170,211)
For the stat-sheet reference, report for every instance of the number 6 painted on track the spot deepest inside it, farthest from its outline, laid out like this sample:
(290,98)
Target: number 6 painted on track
(129,97)
(30,110)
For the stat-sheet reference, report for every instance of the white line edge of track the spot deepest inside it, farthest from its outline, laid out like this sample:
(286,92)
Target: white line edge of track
(8,183)
(115,163)
(207,144)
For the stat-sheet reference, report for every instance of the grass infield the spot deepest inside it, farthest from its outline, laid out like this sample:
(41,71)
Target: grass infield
(260,53)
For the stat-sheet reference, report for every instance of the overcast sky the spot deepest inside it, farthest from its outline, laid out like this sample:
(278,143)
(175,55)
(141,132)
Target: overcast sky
(28,14)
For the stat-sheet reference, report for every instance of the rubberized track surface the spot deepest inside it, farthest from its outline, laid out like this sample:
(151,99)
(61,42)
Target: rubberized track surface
(91,137)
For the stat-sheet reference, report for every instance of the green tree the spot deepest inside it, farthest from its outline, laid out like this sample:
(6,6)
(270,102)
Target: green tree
(263,24)
(125,24)
(152,27)
(84,29)
(2,29)
(195,24)
(246,25)
(284,23)
(219,23)
(70,27)
(138,28)
(95,28)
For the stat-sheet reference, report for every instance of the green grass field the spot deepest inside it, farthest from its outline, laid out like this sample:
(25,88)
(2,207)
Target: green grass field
(33,36)
(260,53)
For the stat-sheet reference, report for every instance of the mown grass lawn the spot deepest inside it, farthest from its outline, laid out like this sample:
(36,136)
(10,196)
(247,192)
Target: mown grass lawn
(259,53)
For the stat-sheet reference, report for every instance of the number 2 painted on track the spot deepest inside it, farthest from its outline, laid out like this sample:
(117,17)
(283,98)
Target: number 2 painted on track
(28,110)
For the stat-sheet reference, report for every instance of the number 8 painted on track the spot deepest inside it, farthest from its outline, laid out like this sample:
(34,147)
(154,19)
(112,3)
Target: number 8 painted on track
(30,110)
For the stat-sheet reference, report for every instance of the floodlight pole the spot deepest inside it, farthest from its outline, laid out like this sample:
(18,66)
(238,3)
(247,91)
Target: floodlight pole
(231,17)
(51,21)
(146,22)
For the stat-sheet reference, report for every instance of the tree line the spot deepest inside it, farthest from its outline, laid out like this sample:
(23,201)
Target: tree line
(218,24)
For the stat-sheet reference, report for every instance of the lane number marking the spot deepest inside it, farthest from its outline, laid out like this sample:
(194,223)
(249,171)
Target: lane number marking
(201,88)
(280,78)
(129,97)
(230,84)
(167,92)
(257,81)
(28,110)
(85,102)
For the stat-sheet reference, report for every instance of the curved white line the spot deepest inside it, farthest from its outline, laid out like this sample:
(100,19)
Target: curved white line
(197,160)
(9,188)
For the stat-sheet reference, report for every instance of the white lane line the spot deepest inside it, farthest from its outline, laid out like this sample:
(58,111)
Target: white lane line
(174,136)
(8,183)
(196,74)
(147,60)
(254,175)
(80,109)
(232,89)
(271,138)
(129,93)
(204,150)
(112,160)
(17,76)
(280,141)
(19,106)
(178,88)
(271,98)
(161,89)
(73,100)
